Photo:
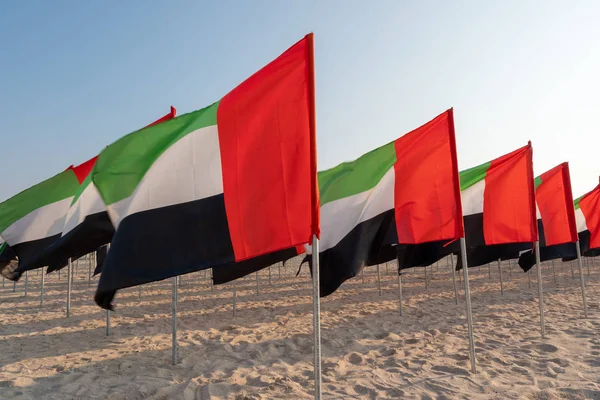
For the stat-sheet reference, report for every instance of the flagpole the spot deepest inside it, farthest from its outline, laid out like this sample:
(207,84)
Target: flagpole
(463,255)
(501,282)
(454,278)
(581,279)
(174,321)
(540,290)
(42,289)
(315,205)
(378,280)
(26,279)
(234,299)
(89,269)
(257,291)
(69,282)
(316,315)
(107,311)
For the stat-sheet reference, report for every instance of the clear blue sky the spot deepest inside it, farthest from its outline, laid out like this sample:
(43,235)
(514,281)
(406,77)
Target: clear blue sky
(77,75)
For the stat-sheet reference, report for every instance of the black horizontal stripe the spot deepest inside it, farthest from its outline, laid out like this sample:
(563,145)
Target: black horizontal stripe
(161,243)
(235,270)
(95,231)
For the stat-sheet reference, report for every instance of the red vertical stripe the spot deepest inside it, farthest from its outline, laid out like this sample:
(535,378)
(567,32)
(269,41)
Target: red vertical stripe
(509,199)
(590,206)
(265,144)
(555,202)
(427,192)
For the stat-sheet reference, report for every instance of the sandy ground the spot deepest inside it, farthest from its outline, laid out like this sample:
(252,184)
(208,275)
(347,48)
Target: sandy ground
(369,350)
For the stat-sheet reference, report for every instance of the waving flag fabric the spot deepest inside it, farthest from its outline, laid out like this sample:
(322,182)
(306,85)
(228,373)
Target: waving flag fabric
(227,183)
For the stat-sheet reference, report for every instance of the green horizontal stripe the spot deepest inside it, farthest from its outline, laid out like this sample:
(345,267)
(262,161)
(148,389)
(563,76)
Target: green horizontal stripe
(537,181)
(123,164)
(357,176)
(471,176)
(50,191)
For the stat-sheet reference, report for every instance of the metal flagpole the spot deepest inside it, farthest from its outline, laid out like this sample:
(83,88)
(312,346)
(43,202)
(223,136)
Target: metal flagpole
(554,273)
(572,272)
(234,299)
(587,261)
(89,258)
(582,281)
(378,280)
(501,281)
(316,316)
(26,279)
(42,290)
(463,254)
(69,282)
(107,322)
(540,290)
(174,320)
(107,311)
(490,271)
(426,285)
(400,293)
(454,278)
(257,290)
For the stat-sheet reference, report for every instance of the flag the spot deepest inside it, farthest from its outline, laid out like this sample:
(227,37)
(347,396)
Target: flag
(33,219)
(230,182)
(87,225)
(588,224)
(411,183)
(558,228)
(498,204)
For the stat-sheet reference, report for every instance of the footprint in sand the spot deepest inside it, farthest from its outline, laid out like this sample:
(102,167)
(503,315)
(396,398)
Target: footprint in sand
(356,359)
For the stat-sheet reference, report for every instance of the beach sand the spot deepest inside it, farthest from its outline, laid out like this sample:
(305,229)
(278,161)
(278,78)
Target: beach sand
(266,352)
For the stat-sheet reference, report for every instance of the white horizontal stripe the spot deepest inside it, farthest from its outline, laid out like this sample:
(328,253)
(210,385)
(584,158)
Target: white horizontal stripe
(472,198)
(44,222)
(339,217)
(580,220)
(188,170)
(88,203)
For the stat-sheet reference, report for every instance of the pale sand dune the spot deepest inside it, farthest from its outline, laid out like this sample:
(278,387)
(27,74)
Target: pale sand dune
(369,351)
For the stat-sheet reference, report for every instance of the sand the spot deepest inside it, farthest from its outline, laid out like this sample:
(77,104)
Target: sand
(266,352)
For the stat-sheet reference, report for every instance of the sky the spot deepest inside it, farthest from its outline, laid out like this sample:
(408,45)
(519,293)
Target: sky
(77,75)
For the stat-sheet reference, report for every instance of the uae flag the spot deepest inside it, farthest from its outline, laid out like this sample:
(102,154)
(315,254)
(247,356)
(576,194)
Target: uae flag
(587,210)
(87,225)
(498,201)
(558,227)
(33,219)
(230,182)
(410,184)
